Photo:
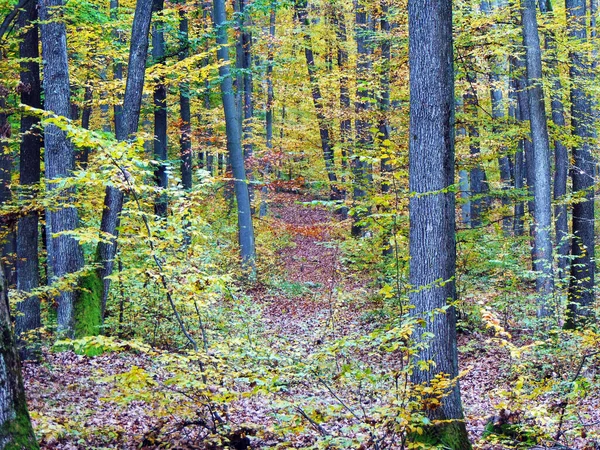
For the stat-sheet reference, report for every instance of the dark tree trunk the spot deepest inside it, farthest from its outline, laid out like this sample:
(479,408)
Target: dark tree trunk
(270,92)
(206,157)
(8,244)
(185,139)
(478,180)
(339,23)
(160,116)
(28,275)
(561,156)
(364,138)
(118,65)
(326,143)
(384,101)
(234,141)
(581,288)
(521,114)
(504,162)
(83,154)
(15,425)
(542,190)
(126,127)
(269,105)
(66,256)
(432,206)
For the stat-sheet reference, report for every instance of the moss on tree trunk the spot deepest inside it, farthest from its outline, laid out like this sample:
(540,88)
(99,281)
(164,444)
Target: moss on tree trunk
(16,432)
(88,307)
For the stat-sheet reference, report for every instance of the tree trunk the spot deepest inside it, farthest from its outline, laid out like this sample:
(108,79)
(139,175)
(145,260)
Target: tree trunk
(364,138)
(117,65)
(345,122)
(561,155)
(432,206)
(160,116)
(28,275)
(78,312)
(521,114)
(581,288)
(301,12)
(8,245)
(541,158)
(185,139)
(504,161)
(234,142)
(384,101)
(269,105)
(126,127)
(15,425)
(478,180)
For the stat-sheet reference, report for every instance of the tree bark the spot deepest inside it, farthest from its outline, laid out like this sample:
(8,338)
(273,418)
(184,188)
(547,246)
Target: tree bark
(432,242)
(581,288)
(16,431)
(561,155)
(504,162)
(66,256)
(541,158)
(185,139)
(125,128)
(160,116)
(301,11)
(28,275)
(234,142)
(478,180)
(364,138)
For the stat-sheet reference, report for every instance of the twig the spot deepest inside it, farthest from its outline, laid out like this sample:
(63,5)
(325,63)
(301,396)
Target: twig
(318,427)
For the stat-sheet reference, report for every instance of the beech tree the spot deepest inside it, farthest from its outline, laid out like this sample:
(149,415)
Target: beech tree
(65,255)
(583,267)
(540,161)
(29,174)
(126,127)
(234,141)
(432,208)
(15,425)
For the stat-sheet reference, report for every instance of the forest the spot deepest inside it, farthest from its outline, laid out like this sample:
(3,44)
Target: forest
(316,224)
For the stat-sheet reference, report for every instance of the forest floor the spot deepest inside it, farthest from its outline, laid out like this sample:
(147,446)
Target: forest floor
(68,393)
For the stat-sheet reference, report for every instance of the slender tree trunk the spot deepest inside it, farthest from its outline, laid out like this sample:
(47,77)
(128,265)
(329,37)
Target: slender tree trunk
(478,179)
(117,65)
(160,115)
(541,158)
(384,101)
(270,91)
(504,162)
(364,138)
(345,122)
(126,127)
(234,141)
(28,275)
(326,143)
(15,425)
(581,288)
(432,207)
(185,139)
(518,91)
(7,246)
(561,154)
(269,104)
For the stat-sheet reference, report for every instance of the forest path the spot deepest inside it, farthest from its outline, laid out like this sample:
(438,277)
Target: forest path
(307,302)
